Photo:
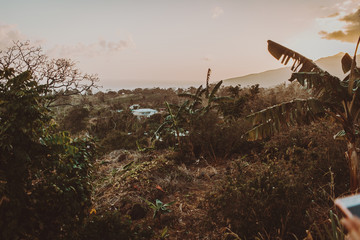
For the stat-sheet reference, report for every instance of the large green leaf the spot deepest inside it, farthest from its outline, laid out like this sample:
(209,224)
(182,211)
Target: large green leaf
(273,119)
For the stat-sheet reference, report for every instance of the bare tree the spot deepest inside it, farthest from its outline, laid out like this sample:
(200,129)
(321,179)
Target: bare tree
(60,77)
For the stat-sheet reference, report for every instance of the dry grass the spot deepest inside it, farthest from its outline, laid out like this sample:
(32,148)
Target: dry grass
(124,177)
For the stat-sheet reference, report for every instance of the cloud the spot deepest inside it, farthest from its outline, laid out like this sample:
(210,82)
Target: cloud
(216,12)
(93,49)
(345,23)
(9,34)
(351,30)
(333,15)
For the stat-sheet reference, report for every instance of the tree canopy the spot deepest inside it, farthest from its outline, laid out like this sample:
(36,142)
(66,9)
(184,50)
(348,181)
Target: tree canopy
(60,77)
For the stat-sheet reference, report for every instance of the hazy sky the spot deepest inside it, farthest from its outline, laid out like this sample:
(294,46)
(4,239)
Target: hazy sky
(145,43)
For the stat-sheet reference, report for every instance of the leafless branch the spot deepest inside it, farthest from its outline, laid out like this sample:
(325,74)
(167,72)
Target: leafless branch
(60,77)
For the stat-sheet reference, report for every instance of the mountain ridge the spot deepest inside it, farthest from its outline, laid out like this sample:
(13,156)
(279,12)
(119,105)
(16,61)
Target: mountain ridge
(273,77)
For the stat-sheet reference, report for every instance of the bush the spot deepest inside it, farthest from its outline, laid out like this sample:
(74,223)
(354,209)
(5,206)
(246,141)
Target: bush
(74,121)
(116,139)
(212,138)
(285,188)
(262,198)
(44,187)
(312,149)
(118,130)
(63,191)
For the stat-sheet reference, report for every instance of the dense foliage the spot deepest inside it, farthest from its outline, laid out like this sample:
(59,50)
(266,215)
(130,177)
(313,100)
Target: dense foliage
(265,181)
(284,187)
(336,98)
(191,154)
(45,175)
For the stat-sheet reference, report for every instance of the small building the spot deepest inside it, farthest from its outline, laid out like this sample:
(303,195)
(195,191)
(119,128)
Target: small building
(141,112)
(144,112)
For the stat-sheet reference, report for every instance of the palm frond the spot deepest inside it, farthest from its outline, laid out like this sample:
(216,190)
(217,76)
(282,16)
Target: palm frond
(214,90)
(199,91)
(159,130)
(273,119)
(324,85)
(181,109)
(353,71)
(306,65)
(222,99)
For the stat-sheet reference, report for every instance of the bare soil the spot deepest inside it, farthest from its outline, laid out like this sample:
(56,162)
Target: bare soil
(124,180)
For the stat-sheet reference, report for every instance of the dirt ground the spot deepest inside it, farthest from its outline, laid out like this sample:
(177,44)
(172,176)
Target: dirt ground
(128,181)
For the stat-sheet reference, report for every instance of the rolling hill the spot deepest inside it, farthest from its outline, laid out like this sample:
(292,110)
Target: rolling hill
(274,77)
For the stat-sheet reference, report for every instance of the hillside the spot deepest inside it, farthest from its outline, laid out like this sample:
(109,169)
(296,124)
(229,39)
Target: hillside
(271,78)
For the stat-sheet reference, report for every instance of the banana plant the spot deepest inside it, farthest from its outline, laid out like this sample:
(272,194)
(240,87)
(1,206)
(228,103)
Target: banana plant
(172,121)
(180,118)
(204,99)
(159,207)
(339,99)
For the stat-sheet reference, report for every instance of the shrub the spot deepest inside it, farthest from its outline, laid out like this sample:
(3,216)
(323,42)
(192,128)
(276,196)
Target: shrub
(44,188)
(74,121)
(62,191)
(312,149)
(270,200)
(290,185)
(118,140)
(215,139)
(118,130)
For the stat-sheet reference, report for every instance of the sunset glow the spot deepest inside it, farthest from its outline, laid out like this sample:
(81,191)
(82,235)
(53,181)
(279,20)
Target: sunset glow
(172,43)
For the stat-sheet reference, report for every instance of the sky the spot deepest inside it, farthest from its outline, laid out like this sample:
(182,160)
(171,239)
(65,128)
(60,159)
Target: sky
(172,43)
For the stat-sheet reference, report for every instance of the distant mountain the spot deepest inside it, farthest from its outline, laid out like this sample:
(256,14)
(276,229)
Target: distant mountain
(274,77)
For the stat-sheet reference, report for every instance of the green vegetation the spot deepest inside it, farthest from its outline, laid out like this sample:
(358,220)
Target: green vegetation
(45,174)
(84,167)
(331,96)
(159,207)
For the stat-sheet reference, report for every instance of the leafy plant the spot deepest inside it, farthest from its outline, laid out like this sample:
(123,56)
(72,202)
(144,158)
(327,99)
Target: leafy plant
(63,187)
(271,191)
(204,99)
(196,122)
(74,121)
(159,207)
(44,188)
(334,232)
(339,99)
(173,122)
